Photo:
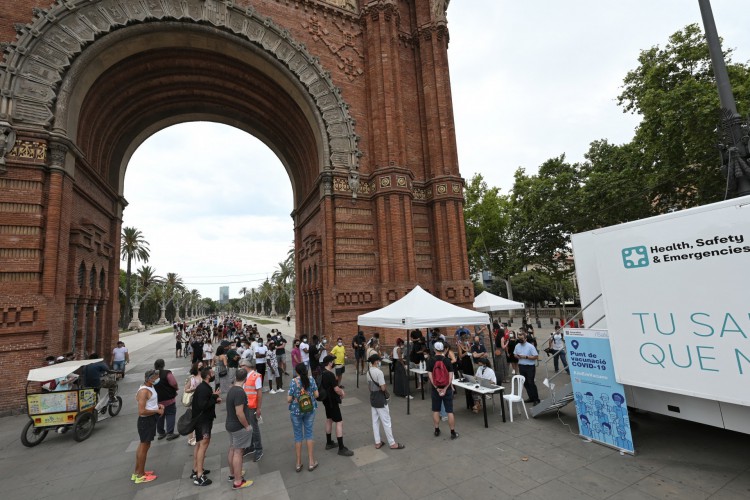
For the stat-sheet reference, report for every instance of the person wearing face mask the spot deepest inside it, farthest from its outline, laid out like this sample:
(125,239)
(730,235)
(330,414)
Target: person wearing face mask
(149,411)
(304,349)
(527,356)
(339,362)
(379,404)
(510,347)
(296,355)
(205,400)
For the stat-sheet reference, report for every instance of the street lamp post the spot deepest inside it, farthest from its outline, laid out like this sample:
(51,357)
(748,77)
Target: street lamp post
(533,294)
(734,151)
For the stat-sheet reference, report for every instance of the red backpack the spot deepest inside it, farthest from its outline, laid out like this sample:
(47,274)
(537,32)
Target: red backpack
(440,377)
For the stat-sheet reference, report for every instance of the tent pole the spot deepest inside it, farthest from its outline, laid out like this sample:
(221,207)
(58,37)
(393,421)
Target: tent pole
(492,344)
(408,376)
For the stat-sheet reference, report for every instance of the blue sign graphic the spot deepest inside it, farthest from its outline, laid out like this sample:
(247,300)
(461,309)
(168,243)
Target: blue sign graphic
(600,401)
(635,257)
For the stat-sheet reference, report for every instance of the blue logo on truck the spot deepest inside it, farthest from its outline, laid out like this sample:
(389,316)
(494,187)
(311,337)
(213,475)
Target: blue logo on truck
(633,257)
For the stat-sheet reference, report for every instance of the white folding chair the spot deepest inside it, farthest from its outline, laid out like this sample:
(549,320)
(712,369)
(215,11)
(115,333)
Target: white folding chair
(516,395)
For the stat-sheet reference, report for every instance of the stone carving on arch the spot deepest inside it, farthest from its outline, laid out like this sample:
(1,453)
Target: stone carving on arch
(36,63)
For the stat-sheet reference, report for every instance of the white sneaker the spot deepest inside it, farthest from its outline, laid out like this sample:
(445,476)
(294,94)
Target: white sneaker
(409,397)
(444,419)
(272,391)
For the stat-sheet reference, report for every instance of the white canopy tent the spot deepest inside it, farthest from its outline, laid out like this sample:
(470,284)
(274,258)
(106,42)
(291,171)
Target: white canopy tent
(419,309)
(487,302)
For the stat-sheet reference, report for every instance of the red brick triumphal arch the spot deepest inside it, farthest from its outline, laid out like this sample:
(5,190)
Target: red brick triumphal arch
(352,95)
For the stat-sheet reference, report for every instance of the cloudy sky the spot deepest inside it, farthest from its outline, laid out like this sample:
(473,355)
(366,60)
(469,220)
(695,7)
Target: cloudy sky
(531,80)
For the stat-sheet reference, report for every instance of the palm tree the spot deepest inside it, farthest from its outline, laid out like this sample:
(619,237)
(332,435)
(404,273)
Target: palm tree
(265,292)
(285,278)
(195,297)
(133,248)
(147,280)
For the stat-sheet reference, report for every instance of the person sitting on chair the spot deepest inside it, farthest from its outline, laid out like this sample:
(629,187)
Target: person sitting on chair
(484,371)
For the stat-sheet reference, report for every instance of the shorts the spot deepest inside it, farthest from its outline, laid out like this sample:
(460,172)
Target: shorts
(203,430)
(261,369)
(446,400)
(340,369)
(241,439)
(147,428)
(280,357)
(333,412)
(302,425)
(359,354)
(178,345)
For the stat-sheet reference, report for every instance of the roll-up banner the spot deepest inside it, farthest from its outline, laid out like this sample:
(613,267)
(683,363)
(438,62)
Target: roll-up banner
(600,400)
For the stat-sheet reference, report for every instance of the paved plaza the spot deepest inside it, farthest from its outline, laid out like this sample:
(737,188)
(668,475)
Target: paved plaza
(531,459)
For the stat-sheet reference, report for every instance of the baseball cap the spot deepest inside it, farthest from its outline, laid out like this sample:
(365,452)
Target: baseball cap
(439,346)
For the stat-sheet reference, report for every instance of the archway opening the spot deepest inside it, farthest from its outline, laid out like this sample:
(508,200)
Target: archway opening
(218,219)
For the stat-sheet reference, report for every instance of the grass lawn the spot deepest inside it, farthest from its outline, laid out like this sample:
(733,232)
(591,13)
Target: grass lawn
(262,321)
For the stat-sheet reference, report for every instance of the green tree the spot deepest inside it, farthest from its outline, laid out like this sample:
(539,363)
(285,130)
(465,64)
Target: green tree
(543,207)
(615,187)
(133,248)
(491,240)
(674,91)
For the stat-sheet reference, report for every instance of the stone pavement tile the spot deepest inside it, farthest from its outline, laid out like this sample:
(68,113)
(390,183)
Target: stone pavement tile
(101,476)
(588,450)
(631,494)
(555,489)
(663,488)
(535,469)
(455,469)
(157,490)
(501,454)
(626,468)
(350,401)
(510,482)
(559,457)
(529,444)
(347,485)
(420,485)
(311,490)
(382,489)
(740,484)
(478,487)
(367,454)
(723,494)
(593,483)
(709,480)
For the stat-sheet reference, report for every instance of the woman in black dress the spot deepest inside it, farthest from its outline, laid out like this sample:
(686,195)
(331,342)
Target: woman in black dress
(400,378)
(512,359)
(466,366)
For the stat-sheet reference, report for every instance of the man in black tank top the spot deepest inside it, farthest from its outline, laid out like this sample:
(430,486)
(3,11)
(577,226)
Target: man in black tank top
(166,391)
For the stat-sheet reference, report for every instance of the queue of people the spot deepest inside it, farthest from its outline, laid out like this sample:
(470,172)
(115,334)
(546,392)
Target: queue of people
(244,366)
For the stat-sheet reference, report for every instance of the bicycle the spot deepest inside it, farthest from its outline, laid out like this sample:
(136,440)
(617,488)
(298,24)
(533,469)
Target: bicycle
(111,403)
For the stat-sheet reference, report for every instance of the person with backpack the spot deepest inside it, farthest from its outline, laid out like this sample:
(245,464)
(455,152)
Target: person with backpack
(301,398)
(440,372)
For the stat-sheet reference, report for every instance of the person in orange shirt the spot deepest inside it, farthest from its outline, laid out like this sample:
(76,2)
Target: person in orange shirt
(253,387)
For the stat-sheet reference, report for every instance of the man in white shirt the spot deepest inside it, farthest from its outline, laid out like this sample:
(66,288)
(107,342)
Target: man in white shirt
(380,414)
(120,357)
(304,349)
(260,360)
(484,371)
